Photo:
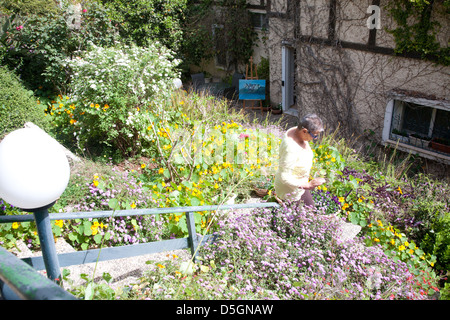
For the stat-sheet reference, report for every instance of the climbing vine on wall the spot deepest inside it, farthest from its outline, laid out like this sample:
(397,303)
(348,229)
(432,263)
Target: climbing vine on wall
(233,34)
(416,29)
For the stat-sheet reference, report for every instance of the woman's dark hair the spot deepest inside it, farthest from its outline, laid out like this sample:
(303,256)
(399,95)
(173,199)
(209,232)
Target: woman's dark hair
(311,122)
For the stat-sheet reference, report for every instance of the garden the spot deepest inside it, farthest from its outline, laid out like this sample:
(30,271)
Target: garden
(110,97)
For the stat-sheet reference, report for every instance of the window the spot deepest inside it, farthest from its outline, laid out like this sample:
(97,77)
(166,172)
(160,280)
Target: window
(259,20)
(420,125)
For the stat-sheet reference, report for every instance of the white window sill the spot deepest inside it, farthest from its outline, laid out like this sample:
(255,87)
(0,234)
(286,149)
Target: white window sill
(419,151)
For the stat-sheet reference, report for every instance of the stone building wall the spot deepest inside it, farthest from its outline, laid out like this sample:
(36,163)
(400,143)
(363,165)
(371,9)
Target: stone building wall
(339,73)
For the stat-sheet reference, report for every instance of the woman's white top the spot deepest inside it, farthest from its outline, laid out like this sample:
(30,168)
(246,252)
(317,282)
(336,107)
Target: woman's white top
(294,167)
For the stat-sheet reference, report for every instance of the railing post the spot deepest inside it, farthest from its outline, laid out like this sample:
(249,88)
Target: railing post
(193,241)
(47,241)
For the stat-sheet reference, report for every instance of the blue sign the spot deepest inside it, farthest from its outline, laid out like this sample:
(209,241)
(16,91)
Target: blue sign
(252,89)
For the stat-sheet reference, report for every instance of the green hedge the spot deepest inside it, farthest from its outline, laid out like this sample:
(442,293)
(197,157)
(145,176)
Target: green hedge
(17,104)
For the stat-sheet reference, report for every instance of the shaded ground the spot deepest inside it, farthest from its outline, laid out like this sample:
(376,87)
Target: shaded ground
(284,121)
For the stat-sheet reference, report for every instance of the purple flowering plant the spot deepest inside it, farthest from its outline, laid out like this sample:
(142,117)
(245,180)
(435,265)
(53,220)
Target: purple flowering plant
(287,253)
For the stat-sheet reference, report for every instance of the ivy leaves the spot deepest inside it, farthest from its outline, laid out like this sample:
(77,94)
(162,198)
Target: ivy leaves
(418,36)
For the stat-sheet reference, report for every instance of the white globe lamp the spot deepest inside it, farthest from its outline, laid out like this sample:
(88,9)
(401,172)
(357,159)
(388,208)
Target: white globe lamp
(177,83)
(34,171)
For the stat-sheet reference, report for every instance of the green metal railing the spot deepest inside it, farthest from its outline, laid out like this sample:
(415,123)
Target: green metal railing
(19,275)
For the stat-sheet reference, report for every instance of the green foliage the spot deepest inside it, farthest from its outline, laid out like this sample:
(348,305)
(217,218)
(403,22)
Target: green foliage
(234,35)
(416,31)
(437,241)
(145,21)
(202,156)
(197,44)
(38,49)
(93,290)
(30,7)
(17,105)
(112,90)
(239,32)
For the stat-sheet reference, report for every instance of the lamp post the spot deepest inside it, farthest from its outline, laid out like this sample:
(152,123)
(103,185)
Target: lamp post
(34,172)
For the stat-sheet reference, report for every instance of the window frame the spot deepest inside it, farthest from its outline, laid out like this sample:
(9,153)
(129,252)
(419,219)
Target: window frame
(263,20)
(391,109)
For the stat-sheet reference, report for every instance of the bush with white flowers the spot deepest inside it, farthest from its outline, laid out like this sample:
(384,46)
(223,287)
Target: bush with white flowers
(112,90)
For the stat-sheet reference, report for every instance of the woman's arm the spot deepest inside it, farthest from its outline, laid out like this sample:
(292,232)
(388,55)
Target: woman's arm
(312,184)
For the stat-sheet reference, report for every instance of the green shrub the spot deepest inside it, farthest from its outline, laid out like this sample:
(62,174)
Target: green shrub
(437,241)
(144,21)
(112,90)
(38,48)
(29,7)
(17,105)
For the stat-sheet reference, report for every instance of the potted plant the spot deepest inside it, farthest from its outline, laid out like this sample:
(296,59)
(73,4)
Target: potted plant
(400,136)
(440,144)
(262,186)
(277,109)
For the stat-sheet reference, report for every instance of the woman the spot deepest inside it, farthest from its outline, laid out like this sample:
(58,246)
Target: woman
(295,162)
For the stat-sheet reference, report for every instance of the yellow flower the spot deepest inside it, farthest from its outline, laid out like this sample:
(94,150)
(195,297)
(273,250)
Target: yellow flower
(392,241)
(216,186)
(400,190)
(380,223)
(95,182)
(15,225)
(94,230)
(401,248)
(406,243)
(143,165)
(133,205)
(341,199)
(59,223)
(160,266)
(161,170)
(72,121)
(376,240)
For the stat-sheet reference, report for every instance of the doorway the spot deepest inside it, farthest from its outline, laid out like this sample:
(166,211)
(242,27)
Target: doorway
(288,79)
